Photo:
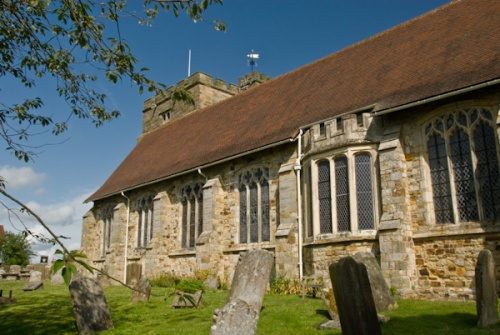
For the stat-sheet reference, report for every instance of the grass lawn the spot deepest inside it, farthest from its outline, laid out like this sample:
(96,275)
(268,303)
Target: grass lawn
(49,311)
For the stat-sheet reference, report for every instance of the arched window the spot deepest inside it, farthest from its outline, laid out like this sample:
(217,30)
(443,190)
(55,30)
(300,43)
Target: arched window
(144,208)
(107,219)
(464,166)
(254,206)
(192,214)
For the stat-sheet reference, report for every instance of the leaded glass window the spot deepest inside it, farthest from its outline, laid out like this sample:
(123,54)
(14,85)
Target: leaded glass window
(364,191)
(107,219)
(342,194)
(144,208)
(254,206)
(324,197)
(192,214)
(464,166)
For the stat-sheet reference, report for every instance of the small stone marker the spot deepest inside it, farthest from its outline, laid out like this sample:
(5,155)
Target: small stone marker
(133,274)
(90,306)
(180,300)
(143,291)
(241,312)
(7,300)
(381,294)
(486,296)
(33,286)
(351,286)
(57,278)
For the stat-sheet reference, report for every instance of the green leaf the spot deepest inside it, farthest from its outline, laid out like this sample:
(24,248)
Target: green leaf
(66,274)
(57,265)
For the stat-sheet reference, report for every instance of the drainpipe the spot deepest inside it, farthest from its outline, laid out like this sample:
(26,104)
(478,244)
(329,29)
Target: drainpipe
(206,178)
(298,169)
(126,239)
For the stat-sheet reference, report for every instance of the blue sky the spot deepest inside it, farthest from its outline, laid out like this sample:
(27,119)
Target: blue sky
(287,34)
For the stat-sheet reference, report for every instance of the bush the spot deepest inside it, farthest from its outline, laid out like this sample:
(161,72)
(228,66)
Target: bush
(165,280)
(283,285)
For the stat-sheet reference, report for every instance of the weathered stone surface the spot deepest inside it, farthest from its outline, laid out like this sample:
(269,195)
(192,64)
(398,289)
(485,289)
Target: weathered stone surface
(90,306)
(133,274)
(35,276)
(33,285)
(182,300)
(330,324)
(211,282)
(486,296)
(143,291)
(381,294)
(351,286)
(241,313)
(57,278)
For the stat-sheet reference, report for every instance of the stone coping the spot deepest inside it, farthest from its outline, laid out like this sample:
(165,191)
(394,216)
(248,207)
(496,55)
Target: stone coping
(182,253)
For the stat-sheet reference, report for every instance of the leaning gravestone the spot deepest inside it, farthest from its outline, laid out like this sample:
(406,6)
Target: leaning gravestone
(381,294)
(190,300)
(142,291)
(90,306)
(57,278)
(351,286)
(35,282)
(241,313)
(486,296)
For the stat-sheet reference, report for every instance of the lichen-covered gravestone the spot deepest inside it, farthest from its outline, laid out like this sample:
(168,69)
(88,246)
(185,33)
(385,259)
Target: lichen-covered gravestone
(241,313)
(351,286)
(486,296)
(382,296)
(35,282)
(142,291)
(90,306)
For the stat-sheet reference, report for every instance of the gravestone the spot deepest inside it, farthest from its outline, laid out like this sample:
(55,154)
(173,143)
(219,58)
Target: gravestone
(133,274)
(142,291)
(57,278)
(7,300)
(33,286)
(355,304)
(381,294)
(35,276)
(486,296)
(90,306)
(183,300)
(331,306)
(241,312)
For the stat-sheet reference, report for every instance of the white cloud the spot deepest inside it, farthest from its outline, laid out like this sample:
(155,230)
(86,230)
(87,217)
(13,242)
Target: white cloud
(64,219)
(20,177)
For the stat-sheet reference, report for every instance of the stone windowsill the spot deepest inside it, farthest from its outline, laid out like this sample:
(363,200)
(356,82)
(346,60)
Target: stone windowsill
(365,235)
(249,246)
(182,253)
(452,229)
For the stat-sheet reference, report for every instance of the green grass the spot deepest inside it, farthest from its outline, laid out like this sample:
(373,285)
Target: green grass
(49,311)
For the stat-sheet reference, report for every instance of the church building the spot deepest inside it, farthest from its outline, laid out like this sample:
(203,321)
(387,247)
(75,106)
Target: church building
(390,146)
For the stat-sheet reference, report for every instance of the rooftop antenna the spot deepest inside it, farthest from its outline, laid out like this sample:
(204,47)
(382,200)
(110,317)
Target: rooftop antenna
(189,64)
(252,59)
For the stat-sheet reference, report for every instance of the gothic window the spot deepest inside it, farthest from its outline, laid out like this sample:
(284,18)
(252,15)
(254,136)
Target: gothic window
(107,219)
(144,208)
(464,166)
(254,206)
(340,211)
(192,214)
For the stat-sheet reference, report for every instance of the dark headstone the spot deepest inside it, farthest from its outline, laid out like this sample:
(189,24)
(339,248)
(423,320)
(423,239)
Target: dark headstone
(142,291)
(90,306)
(241,312)
(486,296)
(355,304)
(134,271)
(33,285)
(382,296)
(183,300)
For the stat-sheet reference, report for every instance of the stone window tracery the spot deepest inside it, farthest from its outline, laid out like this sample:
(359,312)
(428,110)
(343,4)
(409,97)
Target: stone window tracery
(192,214)
(254,225)
(343,194)
(144,208)
(464,166)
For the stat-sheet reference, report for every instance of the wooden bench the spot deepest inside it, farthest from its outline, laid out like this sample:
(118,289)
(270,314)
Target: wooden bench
(311,282)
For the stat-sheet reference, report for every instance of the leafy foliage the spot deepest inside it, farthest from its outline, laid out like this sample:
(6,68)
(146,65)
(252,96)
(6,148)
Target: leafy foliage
(15,249)
(67,264)
(70,40)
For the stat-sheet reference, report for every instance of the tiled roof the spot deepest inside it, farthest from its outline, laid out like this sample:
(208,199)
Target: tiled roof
(453,47)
